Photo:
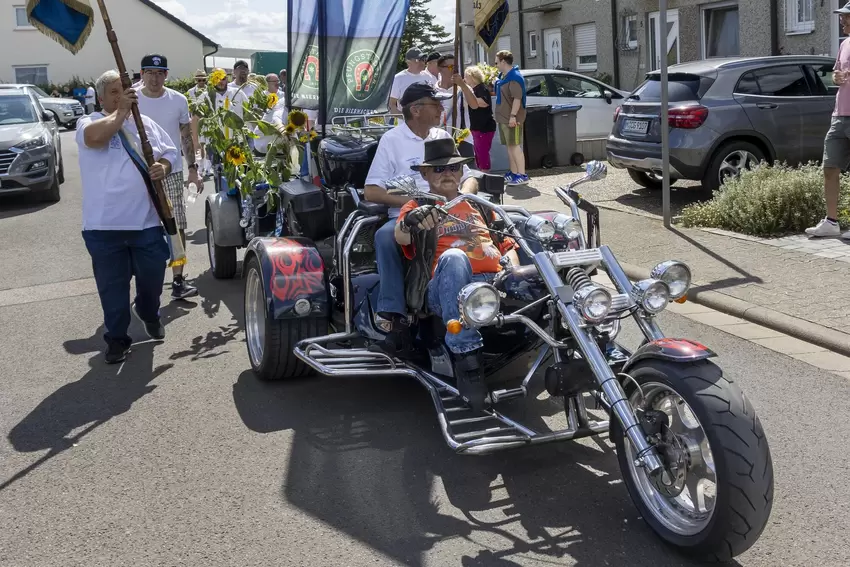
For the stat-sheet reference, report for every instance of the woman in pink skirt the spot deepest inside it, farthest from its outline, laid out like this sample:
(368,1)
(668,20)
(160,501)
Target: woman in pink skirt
(481,122)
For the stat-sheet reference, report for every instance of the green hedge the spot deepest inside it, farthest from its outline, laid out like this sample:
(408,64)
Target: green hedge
(181,85)
(769,201)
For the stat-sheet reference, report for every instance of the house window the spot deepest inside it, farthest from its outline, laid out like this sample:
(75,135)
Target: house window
(799,16)
(585,38)
(532,44)
(503,43)
(21,21)
(720,31)
(31,75)
(630,31)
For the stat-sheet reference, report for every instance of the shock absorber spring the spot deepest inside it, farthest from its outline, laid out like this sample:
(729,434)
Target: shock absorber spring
(577,278)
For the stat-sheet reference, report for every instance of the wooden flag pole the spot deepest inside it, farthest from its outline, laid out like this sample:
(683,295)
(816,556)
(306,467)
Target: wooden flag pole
(164,206)
(456,66)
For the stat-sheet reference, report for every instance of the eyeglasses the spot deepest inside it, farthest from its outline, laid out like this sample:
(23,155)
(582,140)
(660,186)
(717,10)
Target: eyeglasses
(454,168)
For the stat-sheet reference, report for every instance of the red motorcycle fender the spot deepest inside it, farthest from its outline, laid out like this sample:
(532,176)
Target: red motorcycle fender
(674,350)
(292,270)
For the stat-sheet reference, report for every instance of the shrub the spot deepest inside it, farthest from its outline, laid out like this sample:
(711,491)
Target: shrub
(180,85)
(769,201)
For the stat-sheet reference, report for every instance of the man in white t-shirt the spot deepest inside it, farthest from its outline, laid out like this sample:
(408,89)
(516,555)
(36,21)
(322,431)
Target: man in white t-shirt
(432,65)
(91,99)
(240,78)
(275,115)
(121,229)
(399,150)
(170,110)
(415,73)
(193,95)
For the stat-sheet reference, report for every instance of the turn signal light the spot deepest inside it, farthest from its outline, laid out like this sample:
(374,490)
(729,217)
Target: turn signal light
(682,299)
(454,326)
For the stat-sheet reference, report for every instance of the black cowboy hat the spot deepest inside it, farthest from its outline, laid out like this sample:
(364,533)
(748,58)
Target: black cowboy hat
(441,152)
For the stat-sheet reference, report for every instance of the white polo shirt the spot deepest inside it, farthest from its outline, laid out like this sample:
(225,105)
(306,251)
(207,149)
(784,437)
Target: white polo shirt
(398,150)
(247,89)
(114,193)
(170,111)
(404,79)
(277,115)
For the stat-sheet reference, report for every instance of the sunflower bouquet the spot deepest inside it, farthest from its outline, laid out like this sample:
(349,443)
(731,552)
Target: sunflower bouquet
(460,135)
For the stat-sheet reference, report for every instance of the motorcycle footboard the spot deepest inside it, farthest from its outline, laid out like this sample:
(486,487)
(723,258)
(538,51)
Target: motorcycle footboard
(317,354)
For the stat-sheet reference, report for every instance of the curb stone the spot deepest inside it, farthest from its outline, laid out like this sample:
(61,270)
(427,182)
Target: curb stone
(807,331)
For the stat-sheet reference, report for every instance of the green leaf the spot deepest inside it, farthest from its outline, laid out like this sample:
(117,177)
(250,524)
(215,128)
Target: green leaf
(267,128)
(232,120)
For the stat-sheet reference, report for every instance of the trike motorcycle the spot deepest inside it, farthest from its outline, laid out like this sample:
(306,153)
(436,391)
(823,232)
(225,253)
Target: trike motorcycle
(692,452)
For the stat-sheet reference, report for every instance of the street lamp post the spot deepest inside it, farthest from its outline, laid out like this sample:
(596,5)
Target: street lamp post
(665,123)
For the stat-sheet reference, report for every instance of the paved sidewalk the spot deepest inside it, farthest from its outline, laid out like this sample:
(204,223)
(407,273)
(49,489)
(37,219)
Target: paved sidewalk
(791,280)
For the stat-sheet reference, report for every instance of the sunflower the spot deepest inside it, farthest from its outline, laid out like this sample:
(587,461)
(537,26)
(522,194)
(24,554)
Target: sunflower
(313,135)
(235,155)
(272,101)
(297,118)
(217,76)
(461,135)
(290,128)
(302,138)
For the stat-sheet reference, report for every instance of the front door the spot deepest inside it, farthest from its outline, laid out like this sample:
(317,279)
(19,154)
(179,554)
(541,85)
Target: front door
(655,35)
(552,48)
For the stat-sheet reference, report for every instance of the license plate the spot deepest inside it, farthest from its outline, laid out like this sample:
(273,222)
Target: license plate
(78,111)
(635,126)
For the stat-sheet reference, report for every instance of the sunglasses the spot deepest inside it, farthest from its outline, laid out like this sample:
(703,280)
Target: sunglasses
(454,168)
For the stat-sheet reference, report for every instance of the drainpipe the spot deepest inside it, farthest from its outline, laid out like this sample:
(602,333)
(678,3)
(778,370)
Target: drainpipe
(521,33)
(774,27)
(210,54)
(614,25)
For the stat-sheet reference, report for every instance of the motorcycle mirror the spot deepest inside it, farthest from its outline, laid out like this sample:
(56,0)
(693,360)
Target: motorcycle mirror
(594,171)
(405,184)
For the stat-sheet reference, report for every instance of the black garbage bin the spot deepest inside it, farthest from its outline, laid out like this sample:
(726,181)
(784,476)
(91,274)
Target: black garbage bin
(538,143)
(563,122)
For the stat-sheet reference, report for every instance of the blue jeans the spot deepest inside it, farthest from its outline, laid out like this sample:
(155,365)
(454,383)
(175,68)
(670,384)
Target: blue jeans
(453,272)
(117,256)
(391,298)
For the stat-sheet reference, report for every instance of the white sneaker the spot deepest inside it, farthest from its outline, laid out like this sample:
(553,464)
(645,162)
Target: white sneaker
(825,227)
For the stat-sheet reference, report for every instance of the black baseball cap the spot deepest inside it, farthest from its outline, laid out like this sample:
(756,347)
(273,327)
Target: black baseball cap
(240,63)
(418,91)
(154,61)
(414,54)
(433,56)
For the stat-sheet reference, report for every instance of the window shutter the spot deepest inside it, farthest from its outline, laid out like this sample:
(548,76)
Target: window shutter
(585,36)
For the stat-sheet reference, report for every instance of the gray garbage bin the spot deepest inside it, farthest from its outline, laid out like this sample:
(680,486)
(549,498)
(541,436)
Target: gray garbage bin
(563,124)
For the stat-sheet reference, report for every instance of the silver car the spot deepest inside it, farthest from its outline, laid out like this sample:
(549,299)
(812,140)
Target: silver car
(726,115)
(66,111)
(30,148)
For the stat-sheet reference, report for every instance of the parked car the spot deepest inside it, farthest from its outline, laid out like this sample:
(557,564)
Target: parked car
(726,115)
(30,148)
(598,101)
(66,111)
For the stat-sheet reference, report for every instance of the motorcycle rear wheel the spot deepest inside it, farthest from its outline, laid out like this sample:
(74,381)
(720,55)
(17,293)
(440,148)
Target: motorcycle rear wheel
(718,437)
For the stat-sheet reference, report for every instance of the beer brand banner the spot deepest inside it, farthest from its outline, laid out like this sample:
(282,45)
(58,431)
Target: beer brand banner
(490,19)
(361,39)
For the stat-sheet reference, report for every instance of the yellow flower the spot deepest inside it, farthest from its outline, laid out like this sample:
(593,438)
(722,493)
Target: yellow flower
(297,118)
(302,138)
(227,103)
(272,101)
(290,128)
(235,155)
(461,135)
(217,76)
(313,135)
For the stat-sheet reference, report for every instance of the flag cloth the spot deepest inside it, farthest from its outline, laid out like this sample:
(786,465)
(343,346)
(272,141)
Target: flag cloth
(362,39)
(490,19)
(68,22)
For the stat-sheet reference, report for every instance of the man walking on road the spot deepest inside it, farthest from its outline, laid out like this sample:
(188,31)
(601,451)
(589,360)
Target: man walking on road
(240,77)
(415,73)
(510,115)
(170,110)
(91,99)
(836,146)
(121,229)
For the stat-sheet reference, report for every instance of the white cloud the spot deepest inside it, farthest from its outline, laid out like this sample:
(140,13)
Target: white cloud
(444,13)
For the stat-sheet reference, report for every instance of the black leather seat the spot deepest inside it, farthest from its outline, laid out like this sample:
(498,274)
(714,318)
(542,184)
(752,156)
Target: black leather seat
(374,209)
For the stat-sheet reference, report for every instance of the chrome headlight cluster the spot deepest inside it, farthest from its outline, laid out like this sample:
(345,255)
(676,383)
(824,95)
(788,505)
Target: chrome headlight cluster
(479,304)
(676,275)
(652,295)
(540,228)
(594,303)
(32,143)
(567,226)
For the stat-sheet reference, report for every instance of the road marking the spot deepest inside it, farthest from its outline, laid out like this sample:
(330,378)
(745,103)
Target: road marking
(47,292)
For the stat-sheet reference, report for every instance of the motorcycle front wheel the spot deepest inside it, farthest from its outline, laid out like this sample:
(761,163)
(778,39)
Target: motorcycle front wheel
(715,496)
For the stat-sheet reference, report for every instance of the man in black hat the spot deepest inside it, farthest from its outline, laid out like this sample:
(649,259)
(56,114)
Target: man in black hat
(432,66)
(240,77)
(415,73)
(465,253)
(399,150)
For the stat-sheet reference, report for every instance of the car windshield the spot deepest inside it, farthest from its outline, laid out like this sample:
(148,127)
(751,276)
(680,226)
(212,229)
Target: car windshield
(16,110)
(682,87)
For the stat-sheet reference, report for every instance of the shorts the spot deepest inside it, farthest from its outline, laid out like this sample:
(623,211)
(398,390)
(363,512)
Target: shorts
(510,136)
(173,186)
(836,146)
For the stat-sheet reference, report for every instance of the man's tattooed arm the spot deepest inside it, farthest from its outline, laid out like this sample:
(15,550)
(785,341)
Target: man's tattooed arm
(188,142)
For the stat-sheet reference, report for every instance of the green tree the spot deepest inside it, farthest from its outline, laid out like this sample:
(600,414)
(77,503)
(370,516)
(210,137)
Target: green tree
(420,31)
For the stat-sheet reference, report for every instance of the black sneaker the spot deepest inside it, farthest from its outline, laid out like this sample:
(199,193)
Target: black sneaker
(470,382)
(181,290)
(153,330)
(398,342)
(116,352)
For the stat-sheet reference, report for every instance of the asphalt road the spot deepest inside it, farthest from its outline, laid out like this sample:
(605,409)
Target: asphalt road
(181,457)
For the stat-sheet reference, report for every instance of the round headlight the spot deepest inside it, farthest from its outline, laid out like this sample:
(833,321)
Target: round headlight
(540,228)
(676,275)
(652,295)
(479,304)
(593,303)
(567,226)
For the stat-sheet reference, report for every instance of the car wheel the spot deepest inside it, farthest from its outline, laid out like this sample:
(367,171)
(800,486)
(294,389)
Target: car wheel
(51,195)
(730,160)
(649,180)
(72,125)
(60,175)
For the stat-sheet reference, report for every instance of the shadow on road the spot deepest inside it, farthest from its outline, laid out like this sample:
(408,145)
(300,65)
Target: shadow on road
(536,173)
(17,205)
(650,200)
(368,458)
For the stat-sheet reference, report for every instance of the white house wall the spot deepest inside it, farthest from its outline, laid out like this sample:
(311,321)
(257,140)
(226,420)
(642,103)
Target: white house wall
(140,30)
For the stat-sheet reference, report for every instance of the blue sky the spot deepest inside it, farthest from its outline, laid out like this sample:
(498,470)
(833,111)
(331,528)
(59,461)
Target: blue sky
(259,24)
